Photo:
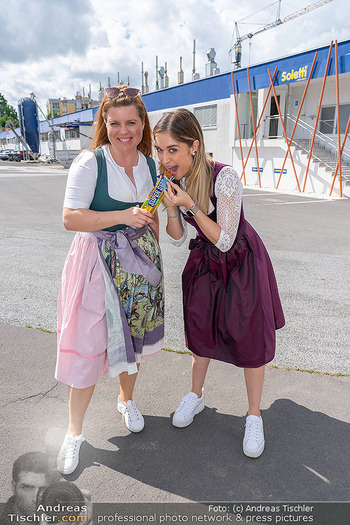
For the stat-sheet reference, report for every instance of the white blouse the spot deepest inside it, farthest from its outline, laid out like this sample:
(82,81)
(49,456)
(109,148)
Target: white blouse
(228,191)
(82,177)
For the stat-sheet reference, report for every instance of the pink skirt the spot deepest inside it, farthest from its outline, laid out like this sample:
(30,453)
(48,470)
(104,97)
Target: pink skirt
(81,316)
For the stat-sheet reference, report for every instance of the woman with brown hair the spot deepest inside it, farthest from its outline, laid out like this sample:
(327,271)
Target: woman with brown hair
(230,296)
(110,308)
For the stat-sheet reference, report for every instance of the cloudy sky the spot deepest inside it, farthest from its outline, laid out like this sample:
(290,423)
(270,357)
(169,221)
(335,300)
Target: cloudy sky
(55,48)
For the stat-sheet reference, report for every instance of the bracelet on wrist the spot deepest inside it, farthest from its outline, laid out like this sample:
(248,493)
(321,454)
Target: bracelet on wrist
(191,212)
(172,216)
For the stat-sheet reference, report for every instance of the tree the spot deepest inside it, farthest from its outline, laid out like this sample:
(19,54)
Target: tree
(55,114)
(7,112)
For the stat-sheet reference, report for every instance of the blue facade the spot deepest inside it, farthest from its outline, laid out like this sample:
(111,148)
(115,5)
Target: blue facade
(203,90)
(85,116)
(291,69)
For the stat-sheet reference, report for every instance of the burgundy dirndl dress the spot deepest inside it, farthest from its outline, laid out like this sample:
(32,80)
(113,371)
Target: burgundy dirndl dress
(230,299)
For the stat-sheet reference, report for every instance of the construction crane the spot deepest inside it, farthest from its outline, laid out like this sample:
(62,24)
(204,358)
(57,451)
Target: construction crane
(237,47)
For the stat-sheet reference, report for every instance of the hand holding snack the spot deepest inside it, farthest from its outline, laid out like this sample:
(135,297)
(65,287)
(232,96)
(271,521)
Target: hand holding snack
(175,196)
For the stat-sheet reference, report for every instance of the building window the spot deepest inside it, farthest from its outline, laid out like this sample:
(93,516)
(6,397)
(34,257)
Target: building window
(206,116)
(71,134)
(328,124)
(327,120)
(245,115)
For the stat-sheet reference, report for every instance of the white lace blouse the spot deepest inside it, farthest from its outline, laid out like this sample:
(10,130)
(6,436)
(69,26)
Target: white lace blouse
(228,191)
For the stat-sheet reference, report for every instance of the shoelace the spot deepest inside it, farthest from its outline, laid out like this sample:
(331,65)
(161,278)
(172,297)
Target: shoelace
(253,429)
(186,404)
(69,450)
(132,411)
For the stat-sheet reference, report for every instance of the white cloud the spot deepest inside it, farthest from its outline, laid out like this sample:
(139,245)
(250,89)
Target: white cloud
(30,30)
(57,48)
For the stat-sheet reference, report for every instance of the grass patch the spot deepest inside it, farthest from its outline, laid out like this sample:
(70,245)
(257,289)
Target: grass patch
(166,349)
(319,372)
(41,329)
(289,368)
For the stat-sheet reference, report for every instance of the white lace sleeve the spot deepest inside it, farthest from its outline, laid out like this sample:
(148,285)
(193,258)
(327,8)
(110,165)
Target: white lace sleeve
(228,191)
(179,242)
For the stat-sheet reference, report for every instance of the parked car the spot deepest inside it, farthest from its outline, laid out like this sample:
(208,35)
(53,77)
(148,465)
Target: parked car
(11,154)
(16,155)
(4,155)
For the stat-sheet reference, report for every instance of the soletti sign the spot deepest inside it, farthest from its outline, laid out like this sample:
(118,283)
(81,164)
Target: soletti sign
(294,75)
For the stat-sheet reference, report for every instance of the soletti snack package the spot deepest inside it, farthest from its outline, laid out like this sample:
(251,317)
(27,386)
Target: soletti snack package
(155,197)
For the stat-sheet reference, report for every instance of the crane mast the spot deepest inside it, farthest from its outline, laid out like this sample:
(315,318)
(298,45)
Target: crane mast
(237,47)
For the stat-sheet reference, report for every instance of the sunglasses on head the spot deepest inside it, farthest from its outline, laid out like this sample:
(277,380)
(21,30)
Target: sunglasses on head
(114,92)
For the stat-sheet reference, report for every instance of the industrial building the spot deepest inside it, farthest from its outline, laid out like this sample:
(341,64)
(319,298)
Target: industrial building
(63,106)
(282,124)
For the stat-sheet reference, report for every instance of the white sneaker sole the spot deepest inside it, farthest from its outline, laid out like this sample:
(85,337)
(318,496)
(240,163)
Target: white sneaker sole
(188,422)
(256,453)
(65,472)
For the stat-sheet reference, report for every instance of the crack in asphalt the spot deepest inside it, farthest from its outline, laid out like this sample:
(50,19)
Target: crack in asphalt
(41,395)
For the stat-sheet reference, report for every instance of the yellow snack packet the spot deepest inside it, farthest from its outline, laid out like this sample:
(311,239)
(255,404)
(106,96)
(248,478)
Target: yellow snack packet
(155,197)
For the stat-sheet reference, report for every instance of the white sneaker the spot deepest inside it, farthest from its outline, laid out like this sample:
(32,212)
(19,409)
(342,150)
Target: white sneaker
(132,417)
(253,441)
(189,406)
(68,456)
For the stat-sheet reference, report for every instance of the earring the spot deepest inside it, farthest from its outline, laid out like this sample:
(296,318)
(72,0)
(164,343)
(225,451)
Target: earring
(193,153)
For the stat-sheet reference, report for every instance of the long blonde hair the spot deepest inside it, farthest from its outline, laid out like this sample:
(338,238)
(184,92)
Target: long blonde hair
(101,136)
(184,127)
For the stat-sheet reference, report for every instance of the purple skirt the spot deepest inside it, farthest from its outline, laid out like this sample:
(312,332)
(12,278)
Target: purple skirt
(231,302)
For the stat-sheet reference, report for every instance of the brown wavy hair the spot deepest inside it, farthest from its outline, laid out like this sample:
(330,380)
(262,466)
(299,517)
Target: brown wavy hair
(184,127)
(101,136)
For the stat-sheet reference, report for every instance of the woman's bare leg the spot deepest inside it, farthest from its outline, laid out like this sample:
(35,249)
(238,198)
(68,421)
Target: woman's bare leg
(254,380)
(199,371)
(78,402)
(127,385)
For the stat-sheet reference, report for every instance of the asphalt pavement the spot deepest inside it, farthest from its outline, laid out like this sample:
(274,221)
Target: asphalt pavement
(306,394)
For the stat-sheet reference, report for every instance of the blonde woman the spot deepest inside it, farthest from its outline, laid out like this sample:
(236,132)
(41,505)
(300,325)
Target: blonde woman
(110,308)
(230,296)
